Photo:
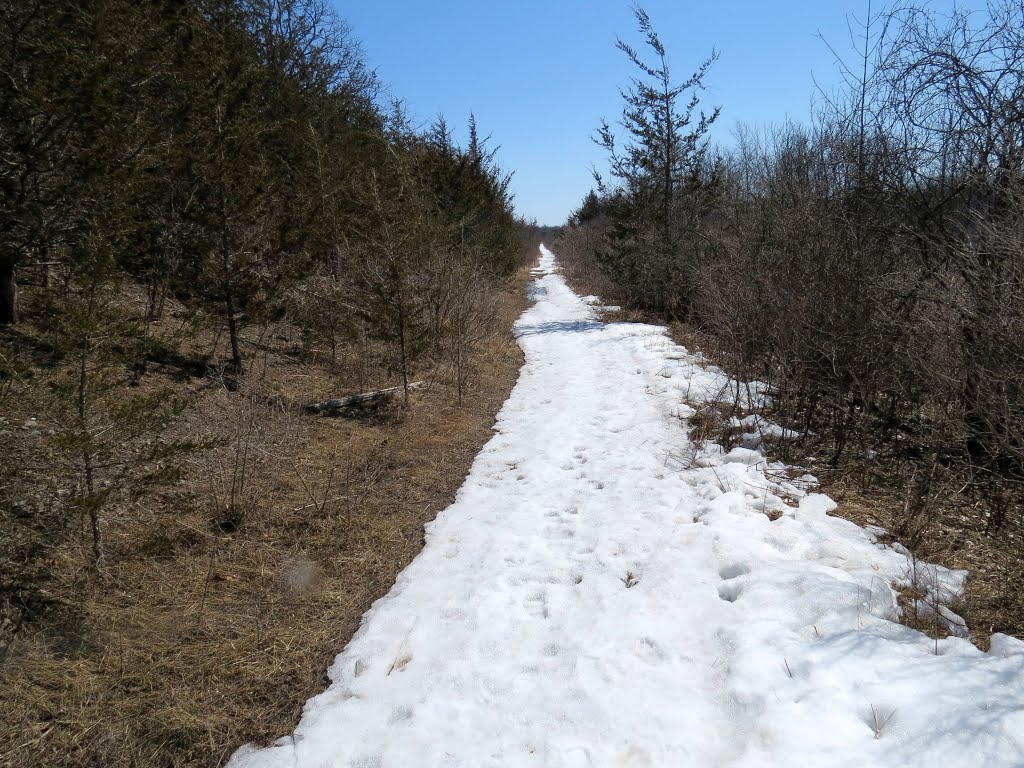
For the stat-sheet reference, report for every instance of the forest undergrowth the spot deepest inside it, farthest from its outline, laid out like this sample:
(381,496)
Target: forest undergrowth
(222,598)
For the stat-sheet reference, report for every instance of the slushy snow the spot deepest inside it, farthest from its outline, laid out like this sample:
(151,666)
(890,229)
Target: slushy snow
(603,592)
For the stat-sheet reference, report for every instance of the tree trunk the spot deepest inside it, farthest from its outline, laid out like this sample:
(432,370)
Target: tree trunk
(235,372)
(402,351)
(8,293)
(403,359)
(88,458)
(236,351)
(363,397)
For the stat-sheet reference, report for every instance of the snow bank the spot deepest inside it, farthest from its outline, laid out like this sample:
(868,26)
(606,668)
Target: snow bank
(603,592)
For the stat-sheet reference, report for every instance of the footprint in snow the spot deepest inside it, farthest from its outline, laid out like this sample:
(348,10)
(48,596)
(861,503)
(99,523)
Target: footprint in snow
(733,570)
(537,604)
(399,715)
(730,591)
(651,651)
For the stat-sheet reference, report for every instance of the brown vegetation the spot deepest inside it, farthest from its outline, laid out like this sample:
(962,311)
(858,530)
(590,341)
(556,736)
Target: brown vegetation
(867,269)
(211,218)
(223,597)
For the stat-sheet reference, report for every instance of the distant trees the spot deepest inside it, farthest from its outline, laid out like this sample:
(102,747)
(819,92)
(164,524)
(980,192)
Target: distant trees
(661,180)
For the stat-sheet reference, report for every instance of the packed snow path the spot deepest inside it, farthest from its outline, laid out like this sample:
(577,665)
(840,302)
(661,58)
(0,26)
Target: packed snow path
(604,593)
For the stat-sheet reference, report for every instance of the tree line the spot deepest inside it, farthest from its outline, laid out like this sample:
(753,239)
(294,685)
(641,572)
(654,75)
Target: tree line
(239,159)
(867,266)
(220,152)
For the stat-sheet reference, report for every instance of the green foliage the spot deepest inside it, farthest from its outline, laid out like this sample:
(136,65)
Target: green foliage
(225,152)
(106,442)
(470,195)
(590,209)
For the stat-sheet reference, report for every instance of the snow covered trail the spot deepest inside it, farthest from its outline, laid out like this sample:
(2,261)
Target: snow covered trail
(604,593)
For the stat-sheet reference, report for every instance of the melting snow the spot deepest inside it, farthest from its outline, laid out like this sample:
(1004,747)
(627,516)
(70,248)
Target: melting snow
(605,593)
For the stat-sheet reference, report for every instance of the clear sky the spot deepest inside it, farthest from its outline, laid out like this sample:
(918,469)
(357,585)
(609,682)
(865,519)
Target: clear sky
(540,74)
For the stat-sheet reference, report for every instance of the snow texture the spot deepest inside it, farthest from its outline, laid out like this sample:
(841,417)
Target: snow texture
(605,593)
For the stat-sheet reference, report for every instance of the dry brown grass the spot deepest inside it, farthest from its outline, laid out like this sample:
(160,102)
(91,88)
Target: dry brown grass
(710,422)
(994,597)
(200,636)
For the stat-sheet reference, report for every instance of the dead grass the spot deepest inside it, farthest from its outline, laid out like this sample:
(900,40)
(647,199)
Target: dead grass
(200,635)
(711,422)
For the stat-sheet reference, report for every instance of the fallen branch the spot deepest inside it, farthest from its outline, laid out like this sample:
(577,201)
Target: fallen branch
(345,402)
(321,504)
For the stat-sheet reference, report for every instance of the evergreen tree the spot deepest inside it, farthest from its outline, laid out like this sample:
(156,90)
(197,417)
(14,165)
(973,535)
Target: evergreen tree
(43,74)
(660,177)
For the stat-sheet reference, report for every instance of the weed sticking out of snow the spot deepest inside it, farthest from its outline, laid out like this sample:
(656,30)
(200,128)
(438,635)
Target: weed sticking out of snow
(879,721)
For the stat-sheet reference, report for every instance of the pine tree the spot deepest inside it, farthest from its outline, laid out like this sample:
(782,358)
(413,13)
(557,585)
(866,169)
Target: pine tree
(660,174)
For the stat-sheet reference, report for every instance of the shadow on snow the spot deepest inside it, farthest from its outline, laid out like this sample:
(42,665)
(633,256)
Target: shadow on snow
(558,326)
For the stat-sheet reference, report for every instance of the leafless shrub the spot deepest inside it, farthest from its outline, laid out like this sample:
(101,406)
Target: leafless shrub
(233,467)
(577,248)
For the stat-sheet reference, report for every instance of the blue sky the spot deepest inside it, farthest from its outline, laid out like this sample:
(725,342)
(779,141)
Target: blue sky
(540,75)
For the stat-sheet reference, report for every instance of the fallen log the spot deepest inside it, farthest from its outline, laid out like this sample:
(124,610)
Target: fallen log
(362,397)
